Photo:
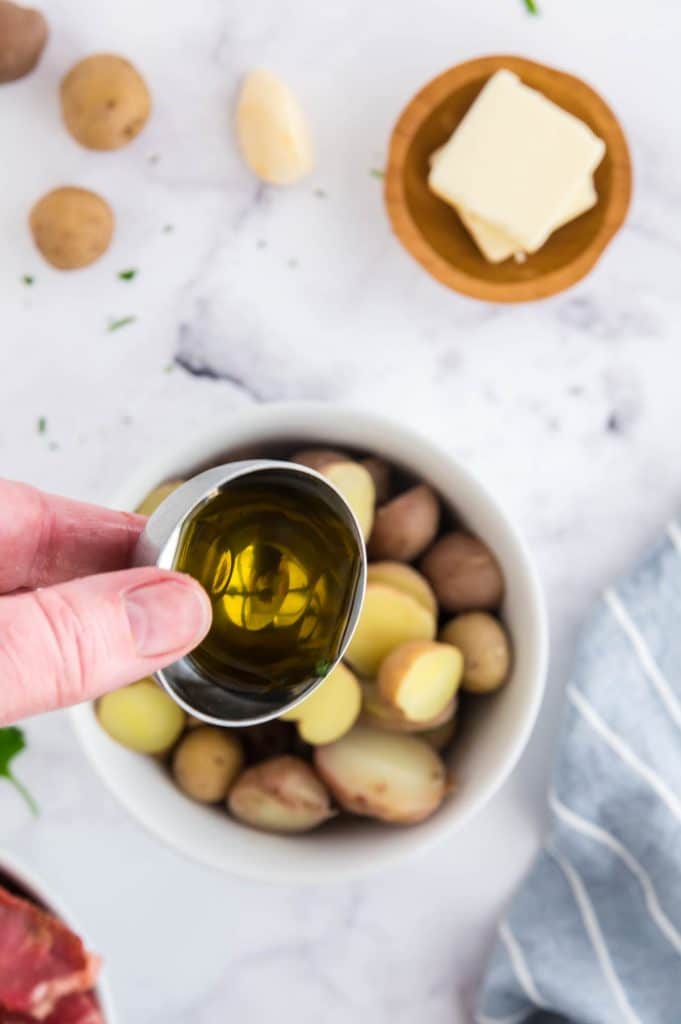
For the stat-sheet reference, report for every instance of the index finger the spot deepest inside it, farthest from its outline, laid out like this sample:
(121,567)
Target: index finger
(46,539)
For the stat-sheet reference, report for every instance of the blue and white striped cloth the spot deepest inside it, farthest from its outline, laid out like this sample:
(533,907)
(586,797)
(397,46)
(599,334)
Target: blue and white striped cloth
(594,933)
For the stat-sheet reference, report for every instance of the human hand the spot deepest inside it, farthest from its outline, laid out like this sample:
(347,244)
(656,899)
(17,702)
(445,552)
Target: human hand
(92,628)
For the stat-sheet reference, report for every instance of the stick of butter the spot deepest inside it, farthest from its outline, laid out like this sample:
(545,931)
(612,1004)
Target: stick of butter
(515,160)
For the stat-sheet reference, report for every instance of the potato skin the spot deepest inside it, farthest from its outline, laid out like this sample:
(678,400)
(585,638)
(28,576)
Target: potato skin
(71,227)
(464,573)
(206,762)
(105,101)
(485,647)
(405,526)
(23,34)
(281,795)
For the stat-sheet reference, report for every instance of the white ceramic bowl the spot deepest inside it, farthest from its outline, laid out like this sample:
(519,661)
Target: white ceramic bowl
(37,889)
(494,732)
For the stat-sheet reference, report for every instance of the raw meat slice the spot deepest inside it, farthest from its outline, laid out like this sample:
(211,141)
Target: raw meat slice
(41,960)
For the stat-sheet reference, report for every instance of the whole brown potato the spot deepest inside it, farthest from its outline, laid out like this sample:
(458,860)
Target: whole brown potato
(404,527)
(206,762)
(464,573)
(72,227)
(485,647)
(23,34)
(105,101)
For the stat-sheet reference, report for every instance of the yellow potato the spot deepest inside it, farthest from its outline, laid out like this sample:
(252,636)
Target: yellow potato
(206,762)
(354,481)
(329,712)
(105,101)
(420,679)
(404,577)
(377,712)
(155,497)
(389,617)
(71,227)
(283,794)
(485,647)
(141,717)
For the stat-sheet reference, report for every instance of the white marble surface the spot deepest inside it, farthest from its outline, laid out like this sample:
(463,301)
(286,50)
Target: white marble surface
(569,408)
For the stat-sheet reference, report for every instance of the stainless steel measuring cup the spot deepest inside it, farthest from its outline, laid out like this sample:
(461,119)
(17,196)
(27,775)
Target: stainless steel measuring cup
(186,682)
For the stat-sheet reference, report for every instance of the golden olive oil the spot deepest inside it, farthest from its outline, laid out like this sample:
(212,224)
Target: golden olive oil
(278,558)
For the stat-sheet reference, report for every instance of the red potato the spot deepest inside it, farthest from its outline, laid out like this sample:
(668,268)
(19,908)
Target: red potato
(464,573)
(405,526)
(281,795)
(23,34)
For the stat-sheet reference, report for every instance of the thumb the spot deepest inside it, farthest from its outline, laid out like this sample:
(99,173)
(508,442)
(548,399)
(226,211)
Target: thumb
(75,641)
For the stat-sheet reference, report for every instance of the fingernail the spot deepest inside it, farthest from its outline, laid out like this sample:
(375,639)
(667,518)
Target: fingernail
(167,615)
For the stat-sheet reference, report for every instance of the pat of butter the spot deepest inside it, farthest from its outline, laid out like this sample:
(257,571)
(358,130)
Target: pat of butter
(497,246)
(515,160)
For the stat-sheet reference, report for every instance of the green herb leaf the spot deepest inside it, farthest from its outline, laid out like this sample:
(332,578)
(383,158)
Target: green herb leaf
(376,173)
(322,668)
(169,367)
(114,325)
(531,7)
(28,279)
(42,424)
(127,275)
(12,742)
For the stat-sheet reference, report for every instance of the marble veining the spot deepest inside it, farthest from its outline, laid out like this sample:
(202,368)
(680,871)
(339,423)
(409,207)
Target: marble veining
(245,294)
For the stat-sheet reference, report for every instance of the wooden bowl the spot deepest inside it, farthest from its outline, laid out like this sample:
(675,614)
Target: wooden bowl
(431,230)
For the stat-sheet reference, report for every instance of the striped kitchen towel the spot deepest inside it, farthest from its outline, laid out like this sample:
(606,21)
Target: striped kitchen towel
(594,934)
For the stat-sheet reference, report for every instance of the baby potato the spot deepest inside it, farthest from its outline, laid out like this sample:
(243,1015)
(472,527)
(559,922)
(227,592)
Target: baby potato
(71,227)
(464,573)
(331,710)
(420,679)
(485,647)
(205,763)
(405,526)
(383,775)
(155,497)
(352,480)
(23,34)
(141,717)
(280,795)
(378,713)
(105,101)
(405,578)
(379,471)
(389,617)
(441,736)
(319,459)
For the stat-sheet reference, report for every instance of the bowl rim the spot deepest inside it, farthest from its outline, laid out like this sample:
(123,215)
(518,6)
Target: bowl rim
(213,441)
(407,229)
(34,884)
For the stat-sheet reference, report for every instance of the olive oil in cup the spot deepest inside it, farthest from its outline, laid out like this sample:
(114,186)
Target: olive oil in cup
(281,556)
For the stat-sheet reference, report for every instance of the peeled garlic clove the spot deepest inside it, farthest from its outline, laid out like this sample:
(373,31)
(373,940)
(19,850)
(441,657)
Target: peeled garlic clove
(384,775)
(280,795)
(271,130)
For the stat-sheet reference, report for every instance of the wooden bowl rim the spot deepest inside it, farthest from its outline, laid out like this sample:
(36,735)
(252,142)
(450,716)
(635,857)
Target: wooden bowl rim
(407,228)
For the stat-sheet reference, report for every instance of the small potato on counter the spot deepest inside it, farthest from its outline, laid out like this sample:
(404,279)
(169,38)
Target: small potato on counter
(384,775)
(205,763)
(280,795)
(405,578)
(420,679)
(378,713)
(23,34)
(155,497)
(485,647)
(464,573)
(105,101)
(388,618)
(141,717)
(72,227)
(405,526)
(331,710)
